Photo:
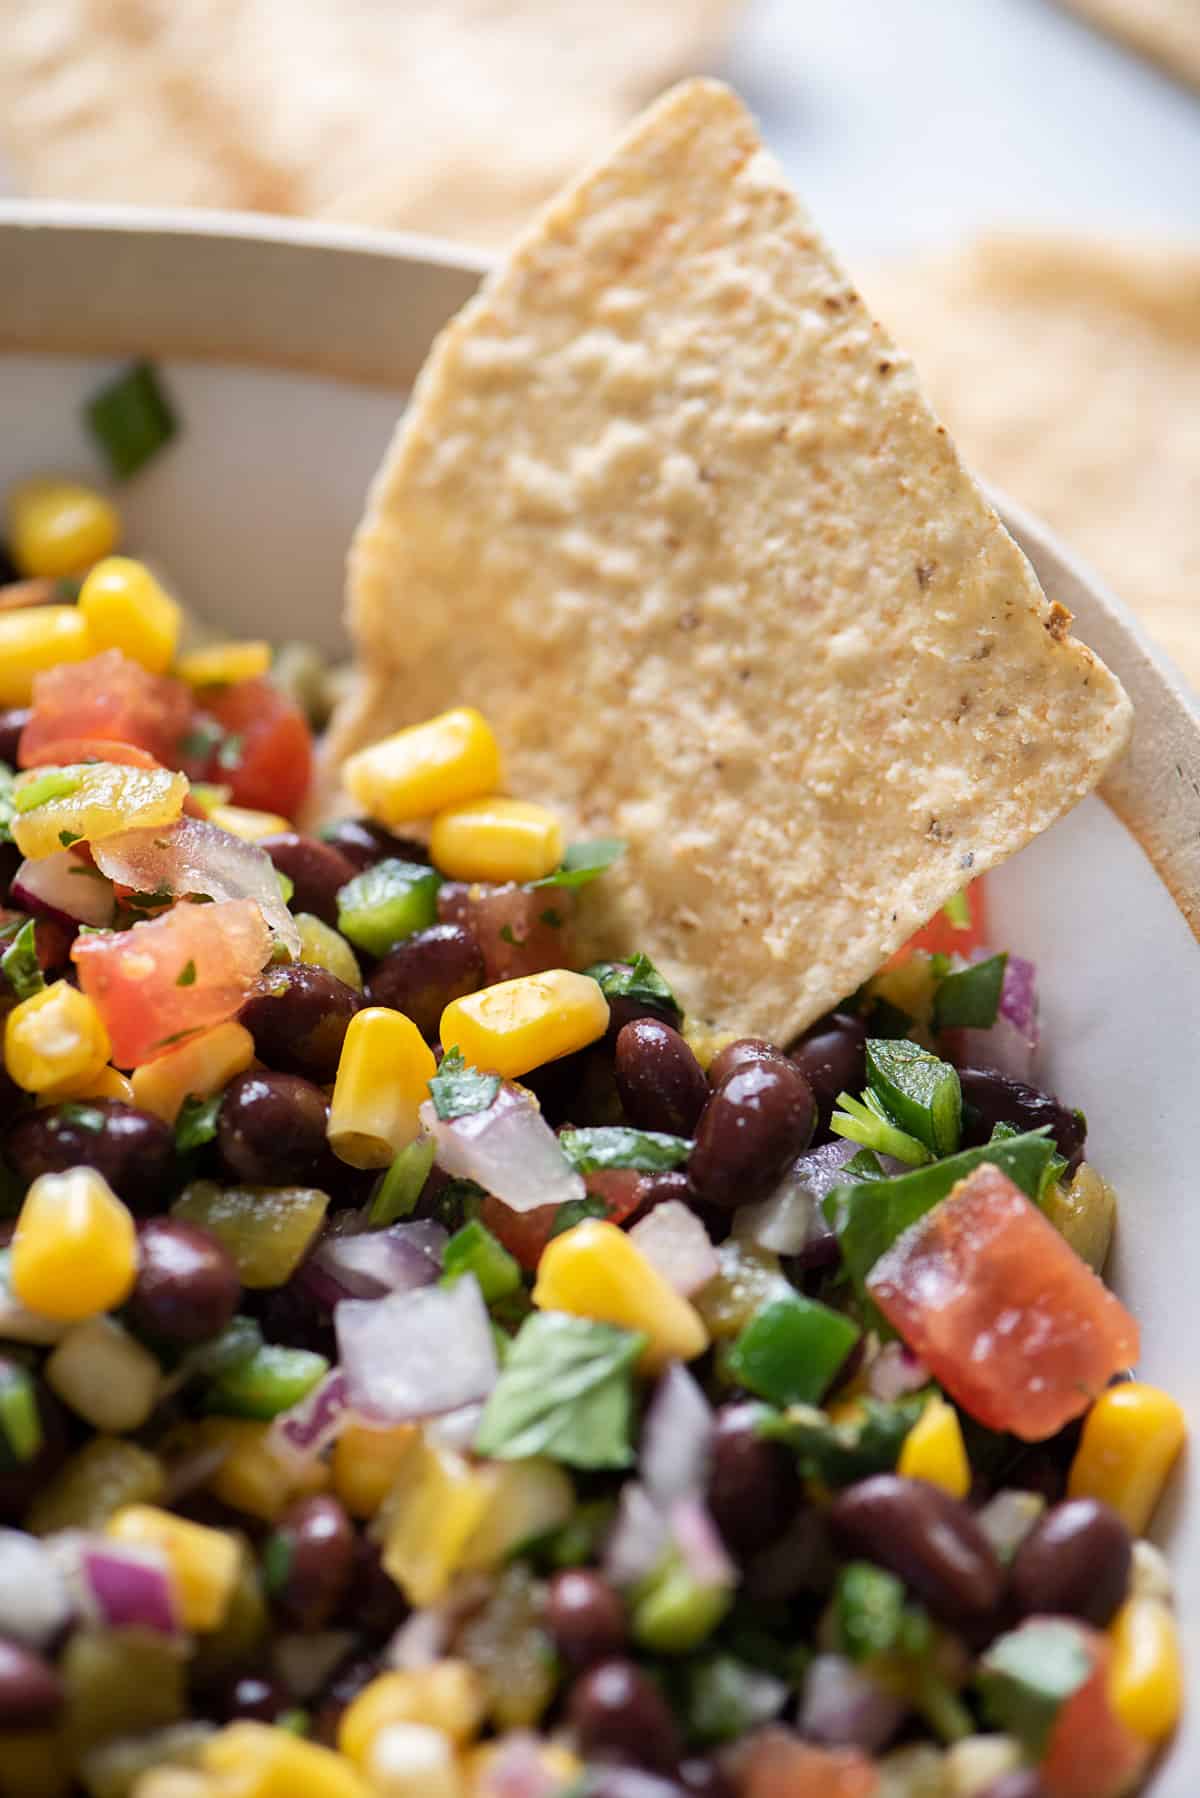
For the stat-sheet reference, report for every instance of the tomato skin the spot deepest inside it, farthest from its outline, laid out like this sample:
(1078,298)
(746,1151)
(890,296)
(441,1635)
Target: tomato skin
(263,749)
(100,704)
(941,937)
(184,971)
(774,1763)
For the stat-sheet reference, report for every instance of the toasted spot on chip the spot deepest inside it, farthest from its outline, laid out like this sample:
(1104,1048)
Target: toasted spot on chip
(597,562)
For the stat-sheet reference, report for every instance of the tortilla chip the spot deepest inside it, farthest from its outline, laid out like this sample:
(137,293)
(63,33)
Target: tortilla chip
(670,508)
(1069,374)
(1168,31)
(457,117)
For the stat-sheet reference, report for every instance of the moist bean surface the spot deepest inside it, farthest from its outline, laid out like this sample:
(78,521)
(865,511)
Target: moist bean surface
(421,975)
(271,1128)
(187,1288)
(753,1124)
(317,870)
(300,1021)
(132,1149)
(1075,1562)
(660,1083)
(928,1539)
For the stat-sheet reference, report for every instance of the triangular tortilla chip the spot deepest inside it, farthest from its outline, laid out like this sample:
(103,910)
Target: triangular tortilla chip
(671,510)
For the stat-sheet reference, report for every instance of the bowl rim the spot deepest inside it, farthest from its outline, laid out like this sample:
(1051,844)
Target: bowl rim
(259,291)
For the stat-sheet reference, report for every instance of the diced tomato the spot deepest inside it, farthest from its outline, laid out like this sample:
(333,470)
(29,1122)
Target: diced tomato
(777,1764)
(1014,1324)
(167,978)
(107,699)
(1090,1753)
(521,930)
(526,1233)
(941,937)
(259,746)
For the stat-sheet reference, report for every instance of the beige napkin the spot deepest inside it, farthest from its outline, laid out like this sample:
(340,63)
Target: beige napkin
(455,117)
(1069,375)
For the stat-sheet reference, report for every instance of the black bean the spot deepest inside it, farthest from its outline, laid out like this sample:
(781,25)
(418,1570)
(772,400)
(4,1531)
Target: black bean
(753,1487)
(30,1690)
(345,1683)
(799,1564)
(13,720)
(316,870)
(619,1713)
(990,1099)
(832,1056)
(256,1697)
(660,1082)
(586,1618)
(1074,1562)
(372,1604)
(421,975)
(187,1287)
(21,1480)
(10,860)
(134,1150)
(1022,1782)
(363,843)
(741,1054)
(312,1557)
(271,1128)
(928,1539)
(758,1119)
(299,1021)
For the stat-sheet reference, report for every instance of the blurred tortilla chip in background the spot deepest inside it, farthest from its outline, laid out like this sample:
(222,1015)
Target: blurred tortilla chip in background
(1167,30)
(454,117)
(1069,375)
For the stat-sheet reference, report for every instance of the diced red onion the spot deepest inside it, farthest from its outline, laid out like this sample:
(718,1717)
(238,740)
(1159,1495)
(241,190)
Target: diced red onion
(518,1769)
(639,1537)
(895,1372)
(699,1542)
(119,1585)
(305,1662)
(509,1150)
(304,1432)
(790,1219)
(843,1707)
(677,1437)
(416,1354)
(62,886)
(34,1602)
(193,856)
(1018,998)
(1007,1519)
(673,1240)
(370,1265)
(1010,1046)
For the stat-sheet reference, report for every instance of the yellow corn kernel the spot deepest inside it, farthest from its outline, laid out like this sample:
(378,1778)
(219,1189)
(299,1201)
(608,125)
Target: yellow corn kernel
(74,1252)
(383,1076)
(595,1270)
(108,1083)
(1130,1439)
(53,1037)
(704,1043)
(33,639)
(252,1475)
(201,1067)
(425,768)
(204,1562)
(437,1504)
(515,1026)
(221,664)
(92,800)
(449,1695)
(58,527)
(1145,1675)
(496,839)
(411,1760)
(125,608)
(260,1761)
(242,821)
(324,947)
(934,1450)
(366,1462)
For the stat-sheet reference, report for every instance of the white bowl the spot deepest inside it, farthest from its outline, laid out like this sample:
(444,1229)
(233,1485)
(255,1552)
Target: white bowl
(288,350)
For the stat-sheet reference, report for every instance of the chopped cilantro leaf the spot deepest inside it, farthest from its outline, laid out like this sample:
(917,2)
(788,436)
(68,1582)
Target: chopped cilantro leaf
(554,920)
(614,1145)
(131,419)
(970,999)
(577,1211)
(837,1454)
(229,755)
(865,1121)
(177,1036)
(458,1090)
(197,1122)
(917,1091)
(636,979)
(19,963)
(564,1391)
(67,837)
(506,936)
(186,975)
(201,740)
(584,862)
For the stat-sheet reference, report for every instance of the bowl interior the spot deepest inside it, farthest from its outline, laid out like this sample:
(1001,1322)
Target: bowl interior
(250,512)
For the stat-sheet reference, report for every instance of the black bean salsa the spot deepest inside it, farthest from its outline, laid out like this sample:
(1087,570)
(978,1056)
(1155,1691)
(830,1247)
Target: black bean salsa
(434,1369)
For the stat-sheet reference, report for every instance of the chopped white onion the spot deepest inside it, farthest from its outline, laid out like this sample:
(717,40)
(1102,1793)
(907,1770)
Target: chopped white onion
(677,1438)
(673,1239)
(509,1150)
(699,1542)
(1007,1519)
(843,1707)
(34,1601)
(302,1433)
(789,1218)
(193,856)
(376,1262)
(895,1371)
(638,1539)
(457,1429)
(64,887)
(417,1354)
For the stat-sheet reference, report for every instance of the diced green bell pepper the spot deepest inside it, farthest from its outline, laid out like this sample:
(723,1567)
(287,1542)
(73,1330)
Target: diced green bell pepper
(386,903)
(791,1349)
